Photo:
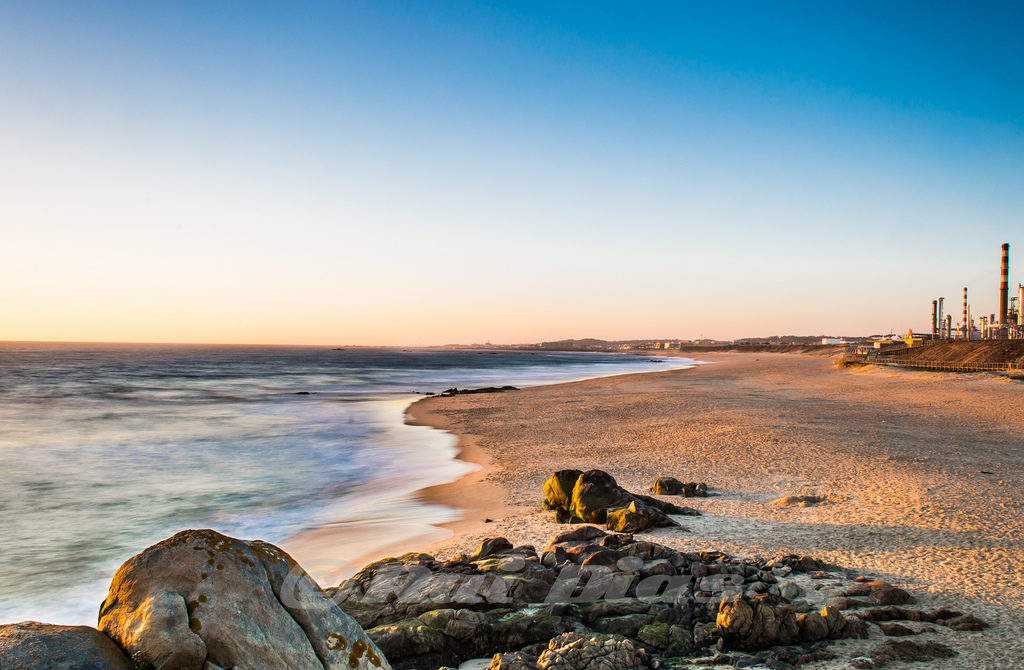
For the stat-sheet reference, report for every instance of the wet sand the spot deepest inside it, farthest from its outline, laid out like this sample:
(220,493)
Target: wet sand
(923,472)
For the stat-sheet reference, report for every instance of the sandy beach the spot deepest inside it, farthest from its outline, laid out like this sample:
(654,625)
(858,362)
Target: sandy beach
(922,472)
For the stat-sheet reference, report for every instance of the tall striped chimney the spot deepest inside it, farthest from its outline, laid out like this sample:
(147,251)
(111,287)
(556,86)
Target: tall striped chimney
(935,318)
(967,328)
(1004,286)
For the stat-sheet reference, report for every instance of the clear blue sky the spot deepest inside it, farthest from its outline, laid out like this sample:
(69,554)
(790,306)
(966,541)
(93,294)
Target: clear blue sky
(417,172)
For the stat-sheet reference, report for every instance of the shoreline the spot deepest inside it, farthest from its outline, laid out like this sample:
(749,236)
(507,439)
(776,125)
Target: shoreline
(471,495)
(920,471)
(425,515)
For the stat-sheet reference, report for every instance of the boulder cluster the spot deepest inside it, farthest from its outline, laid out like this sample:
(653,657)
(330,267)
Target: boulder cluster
(592,600)
(595,497)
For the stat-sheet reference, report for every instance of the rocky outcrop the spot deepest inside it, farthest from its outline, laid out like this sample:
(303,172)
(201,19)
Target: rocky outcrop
(595,497)
(204,600)
(30,646)
(588,587)
(670,486)
(590,600)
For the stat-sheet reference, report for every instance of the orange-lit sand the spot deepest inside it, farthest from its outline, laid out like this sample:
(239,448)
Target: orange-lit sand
(900,456)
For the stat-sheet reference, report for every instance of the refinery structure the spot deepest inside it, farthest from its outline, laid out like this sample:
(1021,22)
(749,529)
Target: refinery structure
(1008,324)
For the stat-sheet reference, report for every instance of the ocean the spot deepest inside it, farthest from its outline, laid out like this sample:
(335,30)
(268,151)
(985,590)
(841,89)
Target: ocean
(107,449)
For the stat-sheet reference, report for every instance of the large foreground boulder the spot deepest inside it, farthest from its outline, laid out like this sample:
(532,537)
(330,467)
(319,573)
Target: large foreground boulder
(31,646)
(202,600)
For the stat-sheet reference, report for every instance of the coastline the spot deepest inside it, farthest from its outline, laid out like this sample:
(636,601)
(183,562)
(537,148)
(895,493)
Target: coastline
(449,498)
(900,456)
(477,500)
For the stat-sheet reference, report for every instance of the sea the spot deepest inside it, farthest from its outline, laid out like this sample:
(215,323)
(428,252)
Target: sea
(107,449)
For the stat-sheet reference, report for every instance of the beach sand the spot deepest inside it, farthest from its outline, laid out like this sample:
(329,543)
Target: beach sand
(922,472)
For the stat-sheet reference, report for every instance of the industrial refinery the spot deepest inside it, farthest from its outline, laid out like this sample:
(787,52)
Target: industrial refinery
(1008,324)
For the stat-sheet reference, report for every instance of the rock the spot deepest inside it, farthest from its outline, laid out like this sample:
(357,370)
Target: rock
(394,589)
(593,494)
(756,623)
(576,651)
(661,505)
(670,486)
(667,486)
(588,497)
(515,660)
(794,563)
(797,501)
(908,651)
(966,622)
(558,489)
(887,594)
(658,566)
(491,546)
(827,623)
(626,626)
(854,627)
(790,590)
(201,597)
(614,607)
(704,634)
(454,636)
(669,639)
(635,518)
(896,630)
(413,641)
(605,557)
(695,490)
(813,627)
(580,553)
(563,515)
(30,645)
(581,535)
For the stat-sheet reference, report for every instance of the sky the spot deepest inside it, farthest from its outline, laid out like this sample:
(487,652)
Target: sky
(415,173)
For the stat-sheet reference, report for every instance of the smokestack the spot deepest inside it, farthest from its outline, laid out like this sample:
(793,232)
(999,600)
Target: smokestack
(966,328)
(1004,285)
(949,326)
(1020,304)
(935,318)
